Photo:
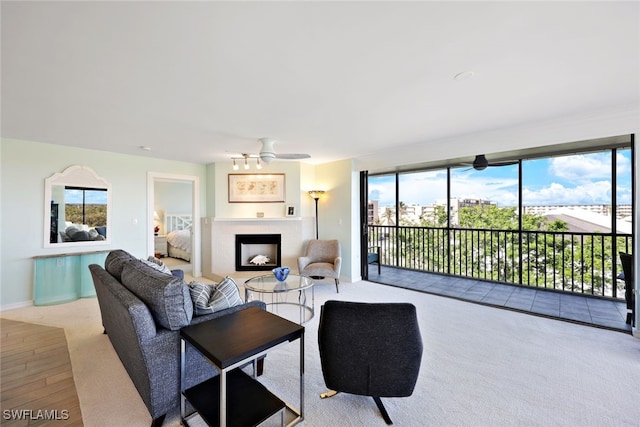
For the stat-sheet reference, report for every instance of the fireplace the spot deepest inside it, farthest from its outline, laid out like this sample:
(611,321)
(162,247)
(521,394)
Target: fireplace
(262,249)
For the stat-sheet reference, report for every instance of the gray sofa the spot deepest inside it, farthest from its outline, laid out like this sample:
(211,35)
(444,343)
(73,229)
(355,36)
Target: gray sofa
(142,312)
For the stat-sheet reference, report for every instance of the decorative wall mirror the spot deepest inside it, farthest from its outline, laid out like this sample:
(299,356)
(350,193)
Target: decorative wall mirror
(77,208)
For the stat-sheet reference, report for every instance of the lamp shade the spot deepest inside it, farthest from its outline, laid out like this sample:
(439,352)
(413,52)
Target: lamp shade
(316,194)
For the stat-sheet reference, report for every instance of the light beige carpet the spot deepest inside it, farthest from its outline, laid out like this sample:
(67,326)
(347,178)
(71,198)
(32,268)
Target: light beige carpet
(482,366)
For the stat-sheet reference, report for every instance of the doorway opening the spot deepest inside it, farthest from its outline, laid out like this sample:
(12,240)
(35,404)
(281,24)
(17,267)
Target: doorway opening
(173,215)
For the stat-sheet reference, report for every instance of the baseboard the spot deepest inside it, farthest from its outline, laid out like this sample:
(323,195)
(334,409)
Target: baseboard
(15,305)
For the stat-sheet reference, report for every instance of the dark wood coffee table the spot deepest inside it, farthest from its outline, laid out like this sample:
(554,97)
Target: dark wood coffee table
(230,342)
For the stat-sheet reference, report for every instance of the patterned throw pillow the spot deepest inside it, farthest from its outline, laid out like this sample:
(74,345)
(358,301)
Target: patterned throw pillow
(212,298)
(200,294)
(225,294)
(154,262)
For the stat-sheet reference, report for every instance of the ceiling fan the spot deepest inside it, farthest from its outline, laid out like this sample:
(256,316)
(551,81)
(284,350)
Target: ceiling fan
(268,153)
(481,163)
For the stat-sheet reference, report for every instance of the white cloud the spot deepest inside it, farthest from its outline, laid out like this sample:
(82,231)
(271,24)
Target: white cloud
(581,167)
(597,192)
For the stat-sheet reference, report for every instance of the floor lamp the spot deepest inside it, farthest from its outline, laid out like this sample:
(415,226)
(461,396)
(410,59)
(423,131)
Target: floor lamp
(315,194)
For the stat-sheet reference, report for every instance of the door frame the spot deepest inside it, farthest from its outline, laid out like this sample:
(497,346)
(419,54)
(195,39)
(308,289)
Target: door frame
(196,255)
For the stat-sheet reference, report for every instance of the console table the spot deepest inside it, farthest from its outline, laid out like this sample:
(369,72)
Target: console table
(62,278)
(230,342)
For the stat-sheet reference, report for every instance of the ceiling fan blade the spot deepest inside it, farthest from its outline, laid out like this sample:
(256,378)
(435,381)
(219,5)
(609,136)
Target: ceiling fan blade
(503,163)
(292,156)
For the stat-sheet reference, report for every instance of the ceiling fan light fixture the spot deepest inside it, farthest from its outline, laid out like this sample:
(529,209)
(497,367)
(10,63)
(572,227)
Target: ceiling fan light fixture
(267,153)
(267,157)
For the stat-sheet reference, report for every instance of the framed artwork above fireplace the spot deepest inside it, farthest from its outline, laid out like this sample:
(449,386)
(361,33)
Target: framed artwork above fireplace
(256,188)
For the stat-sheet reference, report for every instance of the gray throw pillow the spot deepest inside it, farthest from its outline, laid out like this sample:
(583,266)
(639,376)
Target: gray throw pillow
(166,296)
(115,262)
(209,299)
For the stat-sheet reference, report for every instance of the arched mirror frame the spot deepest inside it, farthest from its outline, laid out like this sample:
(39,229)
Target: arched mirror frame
(77,176)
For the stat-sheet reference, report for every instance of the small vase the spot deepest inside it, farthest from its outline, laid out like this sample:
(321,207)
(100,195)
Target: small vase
(281,273)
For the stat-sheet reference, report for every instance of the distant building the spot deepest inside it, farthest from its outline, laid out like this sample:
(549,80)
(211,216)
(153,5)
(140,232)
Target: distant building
(622,211)
(456,204)
(372,211)
(580,220)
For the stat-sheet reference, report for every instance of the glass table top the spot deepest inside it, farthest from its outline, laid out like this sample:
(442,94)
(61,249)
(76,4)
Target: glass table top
(269,284)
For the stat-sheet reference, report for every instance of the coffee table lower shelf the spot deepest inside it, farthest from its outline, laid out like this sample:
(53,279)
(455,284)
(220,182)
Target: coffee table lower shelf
(249,403)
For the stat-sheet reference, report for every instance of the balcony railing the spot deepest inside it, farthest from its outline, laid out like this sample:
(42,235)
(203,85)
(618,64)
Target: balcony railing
(585,263)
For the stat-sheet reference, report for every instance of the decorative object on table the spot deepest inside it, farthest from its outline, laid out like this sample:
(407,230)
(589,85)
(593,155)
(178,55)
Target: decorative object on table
(259,260)
(315,195)
(157,219)
(256,188)
(290,211)
(281,273)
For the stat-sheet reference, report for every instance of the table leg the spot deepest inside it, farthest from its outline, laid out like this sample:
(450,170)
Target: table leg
(223,398)
(302,377)
(183,406)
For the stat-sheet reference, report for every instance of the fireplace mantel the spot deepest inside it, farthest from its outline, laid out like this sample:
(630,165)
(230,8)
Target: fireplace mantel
(218,240)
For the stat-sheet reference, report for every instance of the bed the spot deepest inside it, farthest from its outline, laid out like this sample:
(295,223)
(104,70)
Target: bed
(178,227)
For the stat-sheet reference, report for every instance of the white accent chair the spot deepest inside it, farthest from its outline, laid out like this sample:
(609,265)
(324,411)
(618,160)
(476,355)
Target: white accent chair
(323,258)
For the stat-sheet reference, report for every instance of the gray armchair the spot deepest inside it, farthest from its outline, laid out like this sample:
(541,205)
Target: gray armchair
(370,349)
(323,258)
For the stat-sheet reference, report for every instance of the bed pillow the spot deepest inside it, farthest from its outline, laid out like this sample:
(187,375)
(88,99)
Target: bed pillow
(209,298)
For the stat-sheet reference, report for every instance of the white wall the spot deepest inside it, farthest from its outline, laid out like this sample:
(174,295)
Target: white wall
(25,165)
(224,209)
(338,212)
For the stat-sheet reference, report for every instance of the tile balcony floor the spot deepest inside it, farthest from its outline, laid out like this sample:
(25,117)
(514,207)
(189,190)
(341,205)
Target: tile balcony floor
(592,311)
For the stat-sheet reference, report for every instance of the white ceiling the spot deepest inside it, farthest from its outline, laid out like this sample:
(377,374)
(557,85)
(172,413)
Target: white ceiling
(201,81)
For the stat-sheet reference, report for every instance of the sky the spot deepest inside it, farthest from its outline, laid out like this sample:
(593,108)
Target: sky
(582,179)
(97,197)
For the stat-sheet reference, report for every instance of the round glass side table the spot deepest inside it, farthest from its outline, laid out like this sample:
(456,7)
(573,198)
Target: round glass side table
(277,295)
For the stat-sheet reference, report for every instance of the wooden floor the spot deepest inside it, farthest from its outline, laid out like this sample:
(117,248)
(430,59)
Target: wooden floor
(37,385)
